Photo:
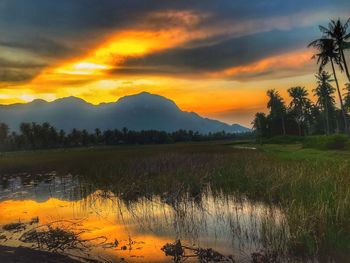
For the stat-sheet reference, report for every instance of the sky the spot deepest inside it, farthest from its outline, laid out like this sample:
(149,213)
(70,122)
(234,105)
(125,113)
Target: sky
(213,57)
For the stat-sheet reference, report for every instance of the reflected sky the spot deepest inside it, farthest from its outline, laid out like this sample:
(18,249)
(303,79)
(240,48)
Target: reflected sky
(230,225)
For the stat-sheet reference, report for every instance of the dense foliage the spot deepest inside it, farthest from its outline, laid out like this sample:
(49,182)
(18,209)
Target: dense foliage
(301,116)
(44,136)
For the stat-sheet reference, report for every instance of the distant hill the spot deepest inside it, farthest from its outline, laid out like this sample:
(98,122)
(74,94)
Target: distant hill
(143,111)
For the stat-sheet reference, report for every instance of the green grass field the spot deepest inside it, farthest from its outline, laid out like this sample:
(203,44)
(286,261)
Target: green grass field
(296,151)
(312,186)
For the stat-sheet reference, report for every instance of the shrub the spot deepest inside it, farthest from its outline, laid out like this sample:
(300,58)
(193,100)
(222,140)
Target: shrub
(284,139)
(332,142)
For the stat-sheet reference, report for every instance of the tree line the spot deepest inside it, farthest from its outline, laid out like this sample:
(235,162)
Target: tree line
(44,136)
(302,116)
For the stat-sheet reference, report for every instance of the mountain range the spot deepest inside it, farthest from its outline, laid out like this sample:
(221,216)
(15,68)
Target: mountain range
(143,111)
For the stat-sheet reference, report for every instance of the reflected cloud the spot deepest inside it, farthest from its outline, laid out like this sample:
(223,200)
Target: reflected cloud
(143,225)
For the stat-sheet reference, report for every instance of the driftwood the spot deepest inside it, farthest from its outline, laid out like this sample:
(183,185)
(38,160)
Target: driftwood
(53,237)
(174,250)
(20,226)
(61,236)
(265,257)
(15,227)
(181,253)
(57,239)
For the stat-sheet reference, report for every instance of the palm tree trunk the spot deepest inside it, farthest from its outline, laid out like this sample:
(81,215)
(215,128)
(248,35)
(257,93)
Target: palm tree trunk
(326,117)
(260,131)
(283,126)
(341,99)
(345,65)
(307,128)
(337,123)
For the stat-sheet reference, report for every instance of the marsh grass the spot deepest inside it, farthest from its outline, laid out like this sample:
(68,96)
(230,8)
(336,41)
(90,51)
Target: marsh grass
(314,193)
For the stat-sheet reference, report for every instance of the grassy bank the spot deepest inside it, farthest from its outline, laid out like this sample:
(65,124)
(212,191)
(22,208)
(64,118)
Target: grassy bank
(297,152)
(312,186)
(320,142)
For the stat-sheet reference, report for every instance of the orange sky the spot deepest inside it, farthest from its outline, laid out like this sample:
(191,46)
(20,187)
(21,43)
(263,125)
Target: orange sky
(211,93)
(102,71)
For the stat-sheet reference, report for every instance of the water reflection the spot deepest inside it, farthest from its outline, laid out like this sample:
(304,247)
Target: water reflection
(226,223)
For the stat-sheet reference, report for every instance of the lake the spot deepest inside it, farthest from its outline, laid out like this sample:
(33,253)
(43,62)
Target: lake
(120,227)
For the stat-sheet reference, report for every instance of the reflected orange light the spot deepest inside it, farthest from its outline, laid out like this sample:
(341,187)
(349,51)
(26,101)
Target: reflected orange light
(101,223)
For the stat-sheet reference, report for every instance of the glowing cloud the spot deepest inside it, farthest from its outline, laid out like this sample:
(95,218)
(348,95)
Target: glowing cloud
(289,61)
(116,49)
(81,68)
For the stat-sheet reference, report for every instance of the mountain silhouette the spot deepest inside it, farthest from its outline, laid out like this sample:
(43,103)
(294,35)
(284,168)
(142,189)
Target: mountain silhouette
(143,111)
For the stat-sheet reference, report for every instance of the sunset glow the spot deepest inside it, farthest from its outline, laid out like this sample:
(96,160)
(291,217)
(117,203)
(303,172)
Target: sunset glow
(99,224)
(181,53)
(174,131)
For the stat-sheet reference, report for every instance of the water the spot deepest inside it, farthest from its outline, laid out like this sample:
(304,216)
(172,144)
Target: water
(229,224)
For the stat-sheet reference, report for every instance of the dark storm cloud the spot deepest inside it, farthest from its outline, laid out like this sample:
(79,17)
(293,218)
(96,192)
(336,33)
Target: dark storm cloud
(4,63)
(39,45)
(7,75)
(86,15)
(58,29)
(18,71)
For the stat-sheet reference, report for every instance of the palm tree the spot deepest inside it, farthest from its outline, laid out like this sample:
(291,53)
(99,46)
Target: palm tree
(347,98)
(328,53)
(337,31)
(299,104)
(277,107)
(260,124)
(4,132)
(312,114)
(325,99)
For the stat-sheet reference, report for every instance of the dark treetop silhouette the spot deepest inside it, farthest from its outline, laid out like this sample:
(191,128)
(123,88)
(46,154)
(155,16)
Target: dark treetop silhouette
(302,117)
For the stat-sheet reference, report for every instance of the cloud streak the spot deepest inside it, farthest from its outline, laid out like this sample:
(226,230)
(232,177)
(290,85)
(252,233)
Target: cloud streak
(229,53)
